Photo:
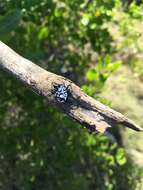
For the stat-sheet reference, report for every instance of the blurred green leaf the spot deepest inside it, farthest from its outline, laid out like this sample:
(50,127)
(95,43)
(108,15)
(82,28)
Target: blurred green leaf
(91,74)
(43,33)
(120,156)
(85,19)
(135,11)
(107,59)
(114,66)
(91,140)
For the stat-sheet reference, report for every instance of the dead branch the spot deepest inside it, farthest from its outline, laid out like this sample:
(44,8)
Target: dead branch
(84,109)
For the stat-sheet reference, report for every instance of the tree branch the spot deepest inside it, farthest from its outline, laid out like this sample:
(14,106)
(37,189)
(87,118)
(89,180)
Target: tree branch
(79,106)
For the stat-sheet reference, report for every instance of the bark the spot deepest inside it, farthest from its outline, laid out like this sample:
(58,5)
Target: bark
(84,109)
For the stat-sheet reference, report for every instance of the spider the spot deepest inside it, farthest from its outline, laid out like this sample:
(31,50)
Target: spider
(61,92)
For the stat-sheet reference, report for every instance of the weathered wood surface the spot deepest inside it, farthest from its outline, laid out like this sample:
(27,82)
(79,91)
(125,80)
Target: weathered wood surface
(82,108)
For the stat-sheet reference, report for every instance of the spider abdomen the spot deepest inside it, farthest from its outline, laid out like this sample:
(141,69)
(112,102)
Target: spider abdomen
(61,93)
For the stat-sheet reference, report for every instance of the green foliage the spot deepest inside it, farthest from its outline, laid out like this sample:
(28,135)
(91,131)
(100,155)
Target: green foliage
(120,157)
(98,75)
(41,148)
(135,11)
(9,22)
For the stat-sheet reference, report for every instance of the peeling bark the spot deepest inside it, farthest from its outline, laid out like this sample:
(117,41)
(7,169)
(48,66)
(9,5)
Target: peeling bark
(82,108)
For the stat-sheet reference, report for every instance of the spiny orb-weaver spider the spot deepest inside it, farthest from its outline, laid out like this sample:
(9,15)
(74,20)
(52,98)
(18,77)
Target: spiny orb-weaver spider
(61,92)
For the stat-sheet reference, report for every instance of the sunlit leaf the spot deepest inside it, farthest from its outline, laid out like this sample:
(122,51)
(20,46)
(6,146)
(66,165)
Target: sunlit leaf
(91,74)
(43,33)
(120,156)
(85,19)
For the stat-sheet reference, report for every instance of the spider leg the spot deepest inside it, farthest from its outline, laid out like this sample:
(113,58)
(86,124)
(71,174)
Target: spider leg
(55,85)
(69,89)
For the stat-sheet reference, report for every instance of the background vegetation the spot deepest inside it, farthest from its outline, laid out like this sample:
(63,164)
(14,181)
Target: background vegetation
(86,41)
